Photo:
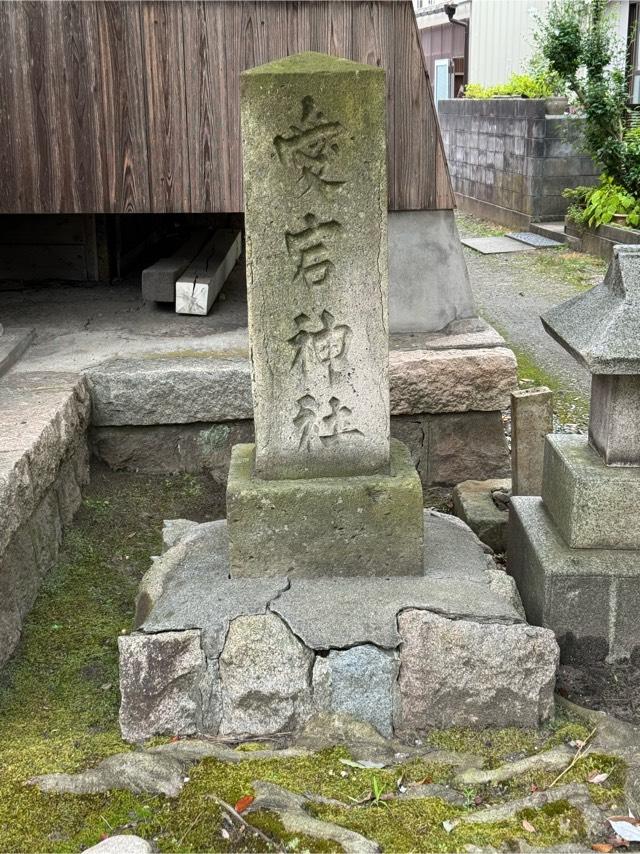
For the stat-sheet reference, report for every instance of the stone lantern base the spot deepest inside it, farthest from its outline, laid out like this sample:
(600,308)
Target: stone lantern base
(590,597)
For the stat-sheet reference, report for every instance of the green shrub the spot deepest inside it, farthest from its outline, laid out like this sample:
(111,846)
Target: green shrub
(594,206)
(578,42)
(518,85)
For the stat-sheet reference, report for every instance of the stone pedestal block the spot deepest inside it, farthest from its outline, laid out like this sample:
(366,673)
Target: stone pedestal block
(587,499)
(614,419)
(589,598)
(369,525)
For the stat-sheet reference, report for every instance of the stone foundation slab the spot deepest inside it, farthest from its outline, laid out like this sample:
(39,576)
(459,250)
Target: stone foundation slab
(588,597)
(262,657)
(367,525)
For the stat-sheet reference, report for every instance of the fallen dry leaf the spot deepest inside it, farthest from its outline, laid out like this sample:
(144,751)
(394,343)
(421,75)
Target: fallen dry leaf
(605,847)
(597,777)
(528,826)
(244,803)
(626,829)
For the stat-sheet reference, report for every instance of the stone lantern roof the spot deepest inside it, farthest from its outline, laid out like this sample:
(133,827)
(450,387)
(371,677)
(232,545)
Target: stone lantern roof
(601,328)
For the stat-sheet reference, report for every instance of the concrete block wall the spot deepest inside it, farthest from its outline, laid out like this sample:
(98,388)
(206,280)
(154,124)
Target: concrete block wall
(510,159)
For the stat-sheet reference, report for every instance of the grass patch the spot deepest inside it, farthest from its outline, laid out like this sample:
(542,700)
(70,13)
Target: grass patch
(418,826)
(470,226)
(577,269)
(569,406)
(59,694)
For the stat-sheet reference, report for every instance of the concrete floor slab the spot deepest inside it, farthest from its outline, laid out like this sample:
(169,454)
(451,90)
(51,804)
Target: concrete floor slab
(495,245)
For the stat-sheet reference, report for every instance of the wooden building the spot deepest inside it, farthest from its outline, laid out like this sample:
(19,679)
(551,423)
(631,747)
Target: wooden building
(133,107)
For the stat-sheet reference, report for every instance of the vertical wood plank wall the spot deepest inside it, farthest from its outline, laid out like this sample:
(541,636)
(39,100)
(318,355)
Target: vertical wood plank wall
(128,107)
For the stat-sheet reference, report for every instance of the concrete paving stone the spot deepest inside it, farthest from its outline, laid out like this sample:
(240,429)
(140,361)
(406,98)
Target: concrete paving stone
(195,597)
(322,612)
(190,594)
(202,548)
(13,343)
(538,241)
(495,245)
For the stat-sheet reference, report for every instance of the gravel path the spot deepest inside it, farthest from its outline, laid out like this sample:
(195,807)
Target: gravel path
(512,290)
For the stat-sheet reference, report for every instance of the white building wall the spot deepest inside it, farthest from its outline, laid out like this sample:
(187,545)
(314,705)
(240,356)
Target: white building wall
(501,33)
(501,38)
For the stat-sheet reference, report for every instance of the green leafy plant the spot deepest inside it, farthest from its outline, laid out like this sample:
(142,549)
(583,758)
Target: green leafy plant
(594,206)
(518,85)
(377,791)
(578,42)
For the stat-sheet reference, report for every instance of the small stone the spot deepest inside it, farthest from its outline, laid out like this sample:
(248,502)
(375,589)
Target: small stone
(266,678)
(160,678)
(474,503)
(358,682)
(464,673)
(121,845)
(501,498)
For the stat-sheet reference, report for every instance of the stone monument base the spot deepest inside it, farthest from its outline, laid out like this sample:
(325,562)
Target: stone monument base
(260,656)
(367,525)
(589,597)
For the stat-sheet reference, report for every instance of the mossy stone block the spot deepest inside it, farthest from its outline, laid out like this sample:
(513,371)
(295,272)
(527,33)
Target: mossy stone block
(368,525)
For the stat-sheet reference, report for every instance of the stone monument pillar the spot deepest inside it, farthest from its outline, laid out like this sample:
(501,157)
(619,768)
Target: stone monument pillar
(324,490)
(575,553)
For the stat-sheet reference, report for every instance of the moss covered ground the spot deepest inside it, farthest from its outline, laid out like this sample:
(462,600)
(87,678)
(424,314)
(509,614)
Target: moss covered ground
(59,703)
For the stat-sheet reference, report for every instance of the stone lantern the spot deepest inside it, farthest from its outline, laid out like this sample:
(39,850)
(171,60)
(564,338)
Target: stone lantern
(575,552)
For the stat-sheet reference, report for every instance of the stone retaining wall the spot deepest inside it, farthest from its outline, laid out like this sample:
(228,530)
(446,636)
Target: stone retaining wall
(44,463)
(166,414)
(600,241)
(510,160)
